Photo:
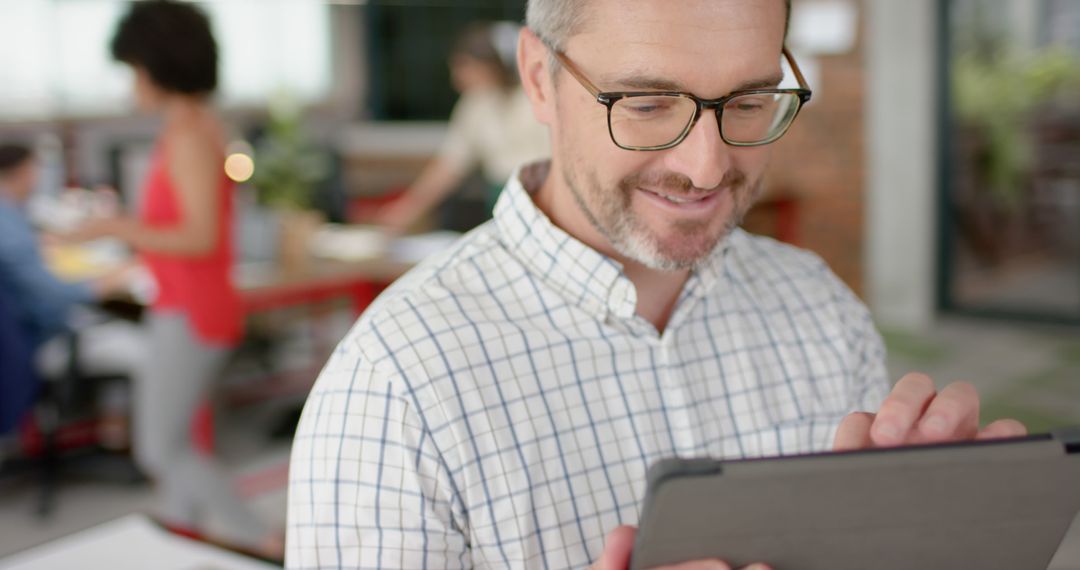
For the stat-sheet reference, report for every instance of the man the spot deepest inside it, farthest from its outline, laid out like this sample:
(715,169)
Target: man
(499,405)
(44,304)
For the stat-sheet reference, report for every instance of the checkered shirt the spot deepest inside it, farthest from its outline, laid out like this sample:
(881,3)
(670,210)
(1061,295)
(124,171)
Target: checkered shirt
(498,406)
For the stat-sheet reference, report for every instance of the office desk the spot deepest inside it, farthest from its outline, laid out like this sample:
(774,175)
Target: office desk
(269,287)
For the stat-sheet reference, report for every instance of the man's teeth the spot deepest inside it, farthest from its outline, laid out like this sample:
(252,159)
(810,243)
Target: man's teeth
(677,200)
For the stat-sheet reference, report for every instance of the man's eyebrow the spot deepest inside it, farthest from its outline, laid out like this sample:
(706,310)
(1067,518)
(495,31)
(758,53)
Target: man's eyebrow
(647,82)
(650,83)
(765,83)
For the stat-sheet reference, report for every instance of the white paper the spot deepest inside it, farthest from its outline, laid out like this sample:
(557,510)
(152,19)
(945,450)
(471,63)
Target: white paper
(129,543)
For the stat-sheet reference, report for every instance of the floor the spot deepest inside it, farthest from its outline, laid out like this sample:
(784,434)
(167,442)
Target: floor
(1031,373)
(1027,372)
(92,492)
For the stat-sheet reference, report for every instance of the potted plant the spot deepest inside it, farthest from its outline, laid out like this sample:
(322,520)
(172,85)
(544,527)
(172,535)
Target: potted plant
(288,168)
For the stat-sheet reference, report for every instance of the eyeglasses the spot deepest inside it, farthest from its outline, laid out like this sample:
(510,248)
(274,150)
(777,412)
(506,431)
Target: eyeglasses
(658,120)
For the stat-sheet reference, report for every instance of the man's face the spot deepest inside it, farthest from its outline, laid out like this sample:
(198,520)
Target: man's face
(665,209)
(21,180)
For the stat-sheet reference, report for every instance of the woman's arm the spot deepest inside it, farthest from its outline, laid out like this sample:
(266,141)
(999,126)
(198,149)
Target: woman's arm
(194,167)
(438,179)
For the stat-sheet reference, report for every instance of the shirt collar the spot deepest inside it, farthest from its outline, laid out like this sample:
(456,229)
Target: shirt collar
(578,272)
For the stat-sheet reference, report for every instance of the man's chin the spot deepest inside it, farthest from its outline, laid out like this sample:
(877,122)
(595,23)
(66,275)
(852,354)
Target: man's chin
(672,254)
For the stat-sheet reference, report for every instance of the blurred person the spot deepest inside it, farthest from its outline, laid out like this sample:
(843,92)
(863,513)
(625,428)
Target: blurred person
(491,126)
(499,406)
(47,305)
(183,235)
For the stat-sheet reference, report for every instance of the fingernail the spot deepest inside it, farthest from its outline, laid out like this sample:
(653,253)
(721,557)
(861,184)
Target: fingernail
(934,425)
(888,431)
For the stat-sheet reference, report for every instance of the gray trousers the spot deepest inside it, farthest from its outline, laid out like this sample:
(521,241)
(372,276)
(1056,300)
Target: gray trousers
(179,373)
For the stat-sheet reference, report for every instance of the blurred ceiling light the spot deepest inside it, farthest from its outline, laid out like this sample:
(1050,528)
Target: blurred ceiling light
(239,165)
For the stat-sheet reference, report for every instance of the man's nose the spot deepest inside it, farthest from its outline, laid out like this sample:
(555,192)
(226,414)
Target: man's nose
(702,156)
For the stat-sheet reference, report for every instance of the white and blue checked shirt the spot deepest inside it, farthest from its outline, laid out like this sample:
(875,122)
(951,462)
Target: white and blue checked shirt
(498,406)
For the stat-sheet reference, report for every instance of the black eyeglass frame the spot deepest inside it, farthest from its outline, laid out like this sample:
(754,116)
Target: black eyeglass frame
(609,98)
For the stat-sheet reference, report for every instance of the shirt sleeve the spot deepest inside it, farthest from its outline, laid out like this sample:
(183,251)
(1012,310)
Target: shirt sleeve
(45,298)
(367,486)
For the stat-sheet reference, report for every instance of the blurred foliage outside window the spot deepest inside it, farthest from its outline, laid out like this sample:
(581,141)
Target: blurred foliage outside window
(1012,192)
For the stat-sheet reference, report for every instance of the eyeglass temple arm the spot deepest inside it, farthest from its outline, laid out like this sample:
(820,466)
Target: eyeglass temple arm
(584,81)
(795,69)
(595,91)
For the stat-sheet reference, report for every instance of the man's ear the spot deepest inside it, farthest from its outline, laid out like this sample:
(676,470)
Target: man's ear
(536,80)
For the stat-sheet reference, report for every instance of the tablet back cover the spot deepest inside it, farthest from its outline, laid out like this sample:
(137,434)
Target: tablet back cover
(992,506)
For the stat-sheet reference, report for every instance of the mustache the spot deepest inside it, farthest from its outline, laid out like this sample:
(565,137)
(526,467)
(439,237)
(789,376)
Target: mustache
(677,183)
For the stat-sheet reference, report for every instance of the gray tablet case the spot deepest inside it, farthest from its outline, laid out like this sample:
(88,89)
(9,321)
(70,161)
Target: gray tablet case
(990,505)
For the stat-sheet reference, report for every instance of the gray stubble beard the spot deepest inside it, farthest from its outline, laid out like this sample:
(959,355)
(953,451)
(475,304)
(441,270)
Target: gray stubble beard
(633,241)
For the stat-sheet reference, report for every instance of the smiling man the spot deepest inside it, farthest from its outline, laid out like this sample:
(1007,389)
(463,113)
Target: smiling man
(499,406)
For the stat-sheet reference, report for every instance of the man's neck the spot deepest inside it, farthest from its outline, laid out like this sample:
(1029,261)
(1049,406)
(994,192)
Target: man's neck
(657,291)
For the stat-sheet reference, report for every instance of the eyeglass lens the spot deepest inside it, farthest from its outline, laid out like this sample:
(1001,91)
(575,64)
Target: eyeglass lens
(660,120)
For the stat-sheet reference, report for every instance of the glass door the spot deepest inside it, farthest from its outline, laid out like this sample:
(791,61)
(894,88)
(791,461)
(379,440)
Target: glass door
(1010,165)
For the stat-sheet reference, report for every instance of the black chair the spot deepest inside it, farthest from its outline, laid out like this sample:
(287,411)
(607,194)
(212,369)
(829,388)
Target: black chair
(48,410)
(19,383)
(68,405)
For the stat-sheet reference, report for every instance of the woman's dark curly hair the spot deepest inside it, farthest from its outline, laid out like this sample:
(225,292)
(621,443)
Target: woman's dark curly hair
(172,41)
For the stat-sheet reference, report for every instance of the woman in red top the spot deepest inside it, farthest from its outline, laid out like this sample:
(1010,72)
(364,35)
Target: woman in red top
(183,234)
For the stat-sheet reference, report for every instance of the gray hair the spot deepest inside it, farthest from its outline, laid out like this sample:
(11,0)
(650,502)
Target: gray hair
(556,21)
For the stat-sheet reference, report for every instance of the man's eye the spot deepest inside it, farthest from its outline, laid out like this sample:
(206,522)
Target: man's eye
(750,105)
(648,107)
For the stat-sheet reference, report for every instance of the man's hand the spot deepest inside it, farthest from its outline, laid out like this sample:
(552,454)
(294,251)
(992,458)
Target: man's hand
(620,542)
(99,228)
(116,283)
(915,412)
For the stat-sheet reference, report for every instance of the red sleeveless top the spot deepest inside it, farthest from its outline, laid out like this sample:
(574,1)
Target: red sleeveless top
(199,287)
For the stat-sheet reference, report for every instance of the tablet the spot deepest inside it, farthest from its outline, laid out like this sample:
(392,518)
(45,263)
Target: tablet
(996,504)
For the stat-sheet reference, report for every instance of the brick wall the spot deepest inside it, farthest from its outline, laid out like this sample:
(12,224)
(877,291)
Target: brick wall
(821,164)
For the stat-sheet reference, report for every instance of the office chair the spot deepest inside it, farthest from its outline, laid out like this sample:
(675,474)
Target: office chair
(54,416)
(19,383)
(67,418)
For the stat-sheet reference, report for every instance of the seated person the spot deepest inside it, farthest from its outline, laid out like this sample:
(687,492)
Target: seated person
(45,305)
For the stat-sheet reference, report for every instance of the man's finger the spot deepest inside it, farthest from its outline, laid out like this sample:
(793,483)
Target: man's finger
(902,409)
(617,548)
(854,432)
(1001,429)
(952,415)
